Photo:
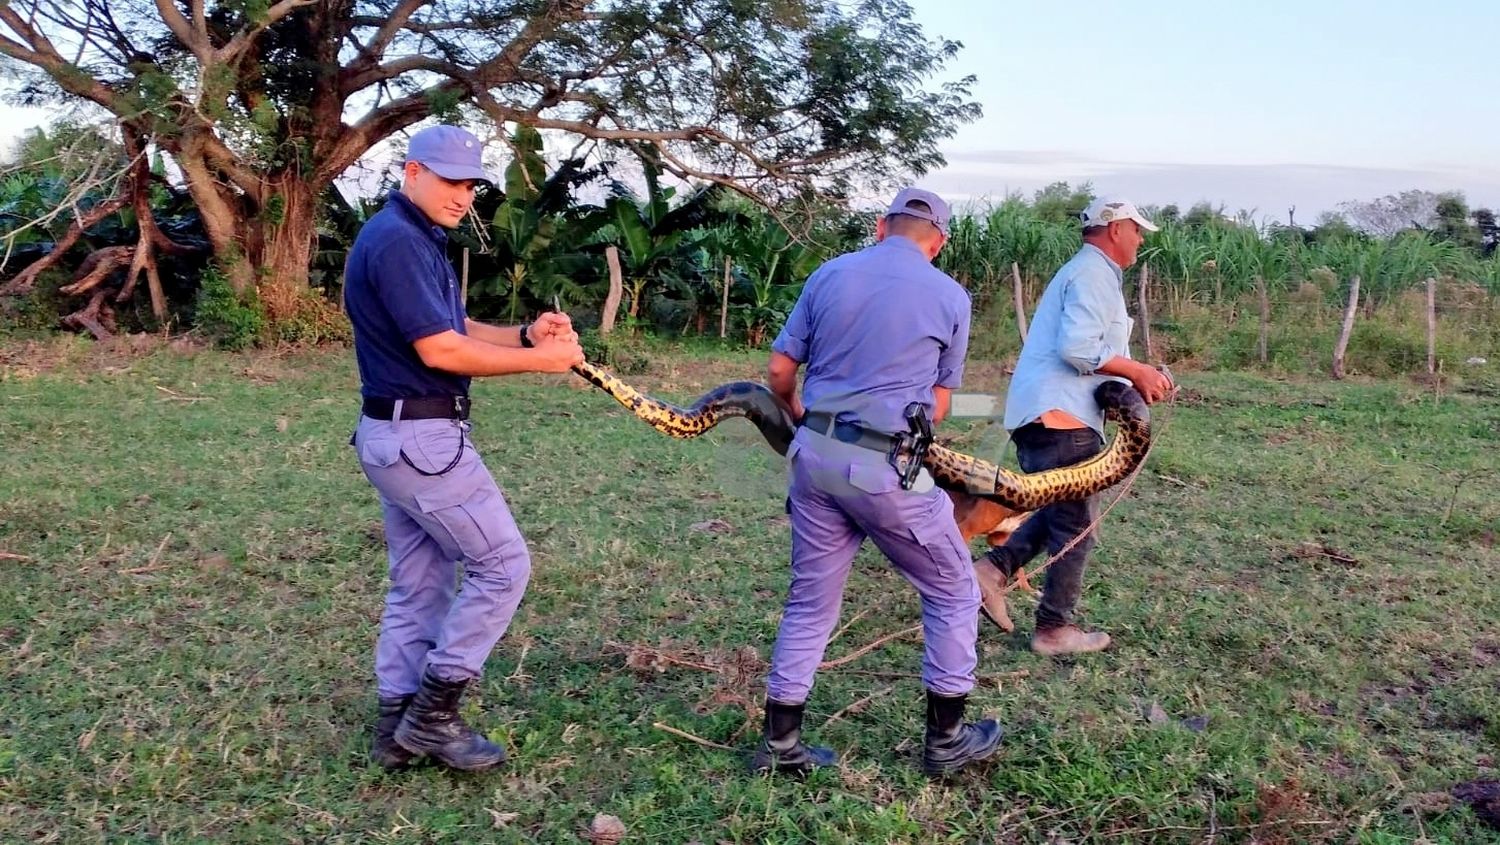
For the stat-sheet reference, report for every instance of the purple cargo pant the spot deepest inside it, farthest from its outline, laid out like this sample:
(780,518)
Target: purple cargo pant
(841,494)
(431,523)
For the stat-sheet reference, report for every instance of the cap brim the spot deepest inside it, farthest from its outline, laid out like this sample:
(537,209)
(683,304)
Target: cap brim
(458,173)
(1146,224)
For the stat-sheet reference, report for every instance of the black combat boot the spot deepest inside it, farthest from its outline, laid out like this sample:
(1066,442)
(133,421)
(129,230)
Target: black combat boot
(432,726)
(782,748)
(952,744)
(385,752)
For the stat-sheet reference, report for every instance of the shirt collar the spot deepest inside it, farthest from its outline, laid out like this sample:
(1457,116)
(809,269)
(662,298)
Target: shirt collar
(1119,273)
(408,209)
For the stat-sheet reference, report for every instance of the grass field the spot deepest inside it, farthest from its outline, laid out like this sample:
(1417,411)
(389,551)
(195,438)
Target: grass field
(1301,586)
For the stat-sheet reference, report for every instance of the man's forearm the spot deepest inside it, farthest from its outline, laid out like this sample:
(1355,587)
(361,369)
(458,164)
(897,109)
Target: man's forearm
(495,335)
(785,387)
(1120,366)
(463,355)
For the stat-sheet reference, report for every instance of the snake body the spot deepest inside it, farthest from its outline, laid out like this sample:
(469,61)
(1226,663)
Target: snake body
(951,470)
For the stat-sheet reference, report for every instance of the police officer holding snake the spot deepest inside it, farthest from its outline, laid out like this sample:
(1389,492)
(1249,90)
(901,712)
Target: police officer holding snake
(417,350)
(877,330)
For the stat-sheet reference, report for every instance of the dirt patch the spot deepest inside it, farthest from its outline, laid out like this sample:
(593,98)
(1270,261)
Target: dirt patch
(1279,808)
(1486,653)
(738,672)
(32,358)
(1484,797)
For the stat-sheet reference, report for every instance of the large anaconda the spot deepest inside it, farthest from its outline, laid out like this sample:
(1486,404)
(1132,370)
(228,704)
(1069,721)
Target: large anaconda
(950,469)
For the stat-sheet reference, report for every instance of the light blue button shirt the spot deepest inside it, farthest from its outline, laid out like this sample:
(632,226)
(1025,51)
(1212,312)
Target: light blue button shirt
(1080,323)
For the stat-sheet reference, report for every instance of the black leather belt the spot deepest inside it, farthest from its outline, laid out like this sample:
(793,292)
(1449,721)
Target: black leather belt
(823,423)
(419,408)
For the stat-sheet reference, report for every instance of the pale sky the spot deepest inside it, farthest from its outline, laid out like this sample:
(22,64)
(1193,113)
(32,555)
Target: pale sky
(1251,105)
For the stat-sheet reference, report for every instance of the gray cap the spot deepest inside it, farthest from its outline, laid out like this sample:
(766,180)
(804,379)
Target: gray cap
(938,216)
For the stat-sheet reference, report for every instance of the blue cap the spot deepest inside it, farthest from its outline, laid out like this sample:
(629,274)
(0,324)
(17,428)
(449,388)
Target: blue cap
(938,216)
(450,152)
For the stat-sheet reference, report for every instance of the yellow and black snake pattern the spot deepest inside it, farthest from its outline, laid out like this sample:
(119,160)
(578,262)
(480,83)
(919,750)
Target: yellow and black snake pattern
(951,470)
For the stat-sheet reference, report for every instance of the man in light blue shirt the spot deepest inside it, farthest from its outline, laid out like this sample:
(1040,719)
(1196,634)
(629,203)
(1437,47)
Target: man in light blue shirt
(1079,337)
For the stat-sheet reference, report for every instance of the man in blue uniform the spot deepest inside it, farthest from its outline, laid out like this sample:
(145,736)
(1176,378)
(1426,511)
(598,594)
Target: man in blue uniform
(1079,337)
(417,349)
(878,330)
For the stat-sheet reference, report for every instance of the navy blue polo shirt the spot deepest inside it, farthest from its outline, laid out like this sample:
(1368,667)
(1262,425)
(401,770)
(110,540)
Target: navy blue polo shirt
(400,287)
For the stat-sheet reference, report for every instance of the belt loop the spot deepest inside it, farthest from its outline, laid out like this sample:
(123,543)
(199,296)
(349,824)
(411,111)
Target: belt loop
(396,412)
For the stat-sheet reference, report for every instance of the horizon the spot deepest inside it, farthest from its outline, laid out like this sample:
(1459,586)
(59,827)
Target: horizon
(1257,110)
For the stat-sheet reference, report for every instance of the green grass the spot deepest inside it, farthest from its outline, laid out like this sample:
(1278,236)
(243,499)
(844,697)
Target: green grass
(1302,581)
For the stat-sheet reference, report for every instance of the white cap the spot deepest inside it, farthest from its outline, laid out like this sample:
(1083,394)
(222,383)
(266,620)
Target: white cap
(1106,210)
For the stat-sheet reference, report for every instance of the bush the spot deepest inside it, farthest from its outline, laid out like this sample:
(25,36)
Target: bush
(619,351)
(226,318)
(39,310)
(317,320)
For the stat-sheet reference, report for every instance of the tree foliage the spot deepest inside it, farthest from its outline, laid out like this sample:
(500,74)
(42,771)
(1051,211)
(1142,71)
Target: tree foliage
(263,103)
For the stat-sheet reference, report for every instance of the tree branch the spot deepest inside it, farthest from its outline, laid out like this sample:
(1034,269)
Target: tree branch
(187,33)
(242,40)
(43,55)
(389,28)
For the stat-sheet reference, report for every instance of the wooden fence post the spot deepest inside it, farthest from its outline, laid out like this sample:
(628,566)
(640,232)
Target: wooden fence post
(1015,273)
(1265,317)
(1142,284)
(463,280)
(1348,327)
(1431,326)
(616,290)
(724,308)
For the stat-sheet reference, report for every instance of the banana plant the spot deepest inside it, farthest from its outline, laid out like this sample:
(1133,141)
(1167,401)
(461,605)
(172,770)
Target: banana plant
(537,240)
(659,242)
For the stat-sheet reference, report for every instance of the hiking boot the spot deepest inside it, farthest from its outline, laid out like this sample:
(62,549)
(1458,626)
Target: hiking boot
(1067,639)
(385,751)
(433,727)
(782,748)
(951,744)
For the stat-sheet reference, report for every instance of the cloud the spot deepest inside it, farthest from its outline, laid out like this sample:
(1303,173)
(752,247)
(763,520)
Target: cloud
(1266,189)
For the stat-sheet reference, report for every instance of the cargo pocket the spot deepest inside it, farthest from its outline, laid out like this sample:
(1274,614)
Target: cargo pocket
(938,536)
(873,478)
(377,445)
(434,447)
(466,515)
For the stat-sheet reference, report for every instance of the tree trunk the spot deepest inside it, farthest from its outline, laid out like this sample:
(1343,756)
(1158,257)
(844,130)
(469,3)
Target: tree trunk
(616,290)
(224,214)
(1343,342)
(281,242)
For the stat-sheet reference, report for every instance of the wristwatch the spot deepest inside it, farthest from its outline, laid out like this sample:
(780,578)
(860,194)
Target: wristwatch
(526,341)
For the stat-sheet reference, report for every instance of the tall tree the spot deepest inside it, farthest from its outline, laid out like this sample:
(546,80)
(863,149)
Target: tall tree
(263,103)
(1384,217)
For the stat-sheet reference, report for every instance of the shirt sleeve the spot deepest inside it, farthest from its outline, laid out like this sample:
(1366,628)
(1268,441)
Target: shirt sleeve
(1089,305)
(404,279)
(951,361)
(797,332)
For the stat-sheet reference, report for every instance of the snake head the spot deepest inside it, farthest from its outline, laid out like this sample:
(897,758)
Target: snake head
(1121,402)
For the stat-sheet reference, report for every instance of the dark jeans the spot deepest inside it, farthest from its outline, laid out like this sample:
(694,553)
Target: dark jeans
(1054,526)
